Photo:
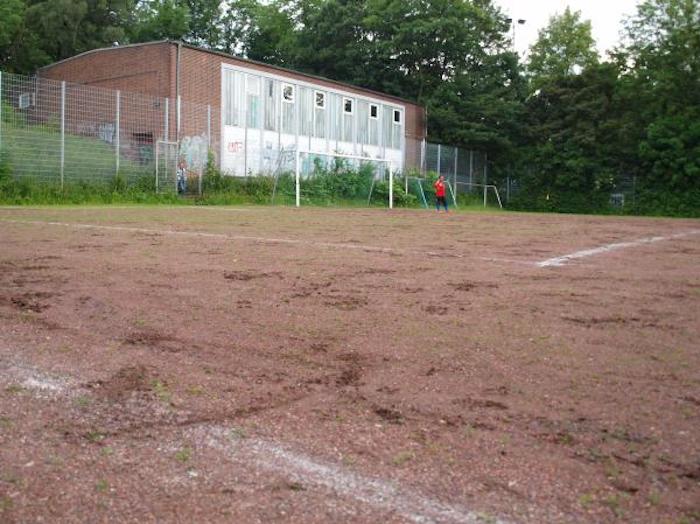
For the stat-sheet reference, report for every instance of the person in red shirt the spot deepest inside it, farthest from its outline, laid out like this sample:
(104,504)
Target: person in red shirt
(440,194)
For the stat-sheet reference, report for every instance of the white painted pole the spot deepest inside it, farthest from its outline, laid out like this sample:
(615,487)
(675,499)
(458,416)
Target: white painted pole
(166,133)
(166,156)
(297,169)
(438,159)
(391,188)
(63,131)
(116,143)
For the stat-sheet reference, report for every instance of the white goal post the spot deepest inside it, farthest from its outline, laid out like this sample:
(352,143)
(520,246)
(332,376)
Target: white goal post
(486,188)
(299,168)
(166,174)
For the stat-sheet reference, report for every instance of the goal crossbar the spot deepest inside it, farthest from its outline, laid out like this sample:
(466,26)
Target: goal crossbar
(360,158)
(485,187)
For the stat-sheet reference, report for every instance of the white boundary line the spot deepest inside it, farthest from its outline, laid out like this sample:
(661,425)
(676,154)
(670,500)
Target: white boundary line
(562,260)
(380,494)
(268,240)
(273,457)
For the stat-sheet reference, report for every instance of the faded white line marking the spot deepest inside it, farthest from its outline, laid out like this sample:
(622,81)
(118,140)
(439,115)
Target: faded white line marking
(267,240)
(33,379)
(273,457)
(562,260)
(222,236)
(299,467)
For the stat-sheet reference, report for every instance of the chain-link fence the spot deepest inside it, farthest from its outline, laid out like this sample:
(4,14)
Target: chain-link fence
(62,133)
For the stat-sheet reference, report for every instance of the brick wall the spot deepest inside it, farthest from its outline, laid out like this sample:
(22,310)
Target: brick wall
(151,69)
(139,69)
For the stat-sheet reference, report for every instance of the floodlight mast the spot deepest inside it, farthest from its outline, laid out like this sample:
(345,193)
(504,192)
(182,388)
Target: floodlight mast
(515,22)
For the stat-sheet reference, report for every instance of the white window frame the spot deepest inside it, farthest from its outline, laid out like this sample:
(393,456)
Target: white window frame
(25,100)
(400,120)
(376,107)
(324,96)
(352,106)
(284,88)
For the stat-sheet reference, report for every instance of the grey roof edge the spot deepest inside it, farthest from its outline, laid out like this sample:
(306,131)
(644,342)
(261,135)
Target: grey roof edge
(226,55)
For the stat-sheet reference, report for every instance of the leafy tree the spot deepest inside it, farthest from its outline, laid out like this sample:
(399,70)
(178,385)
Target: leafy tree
(570,152)
(160,19)
(265,32)
(661,61)
(205,22)
(565,47)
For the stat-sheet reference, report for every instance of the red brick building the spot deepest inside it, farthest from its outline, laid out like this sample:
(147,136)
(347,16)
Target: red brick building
(253,109)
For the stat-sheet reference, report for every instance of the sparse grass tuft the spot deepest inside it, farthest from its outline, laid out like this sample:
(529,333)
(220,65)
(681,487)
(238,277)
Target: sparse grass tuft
(102,486)
(14,389)
(95,435)
(183,455)
(161,391)
(402,458)
(5,504)
(237,433)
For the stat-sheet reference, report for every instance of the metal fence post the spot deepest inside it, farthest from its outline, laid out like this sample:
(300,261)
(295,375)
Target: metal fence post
(208,128)
(438,159)
(117,131)
(63,131)
(0,113)
(455,176)
(166,124)
(178,116)
(471,169)
(486,175)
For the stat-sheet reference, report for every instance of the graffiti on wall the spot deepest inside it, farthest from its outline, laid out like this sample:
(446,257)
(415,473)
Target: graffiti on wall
(194,151)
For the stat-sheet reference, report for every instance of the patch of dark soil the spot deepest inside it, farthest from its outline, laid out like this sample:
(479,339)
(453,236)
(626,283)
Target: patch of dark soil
(436,310)
(245,276)
(392,416)
(31,301)
(469,285)
(612,321)
(156,339)
(319,347)
(352,373)
(375,271)
(123,383)
(692,400)
(346,302)
(476,403)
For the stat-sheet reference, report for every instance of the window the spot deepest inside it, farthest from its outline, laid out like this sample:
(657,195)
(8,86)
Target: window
(347,106)
(397,116)
(373,111)
(288,93)
(253,101)
(320,100)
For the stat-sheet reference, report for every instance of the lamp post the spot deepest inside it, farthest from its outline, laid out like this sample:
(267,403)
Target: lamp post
(515,22)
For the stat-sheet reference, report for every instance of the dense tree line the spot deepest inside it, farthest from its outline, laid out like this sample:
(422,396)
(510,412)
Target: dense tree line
(572,127)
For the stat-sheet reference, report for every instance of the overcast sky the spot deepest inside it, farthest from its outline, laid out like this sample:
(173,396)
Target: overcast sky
(605,15)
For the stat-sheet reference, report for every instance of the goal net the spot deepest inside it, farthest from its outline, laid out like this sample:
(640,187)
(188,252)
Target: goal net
(481,192)
(166,167)
(330,179)
(423,191)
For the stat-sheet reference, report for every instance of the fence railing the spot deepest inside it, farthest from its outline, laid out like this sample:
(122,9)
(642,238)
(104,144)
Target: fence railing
(63,133)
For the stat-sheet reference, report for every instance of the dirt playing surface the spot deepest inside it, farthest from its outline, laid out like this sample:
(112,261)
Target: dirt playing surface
(257,365)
